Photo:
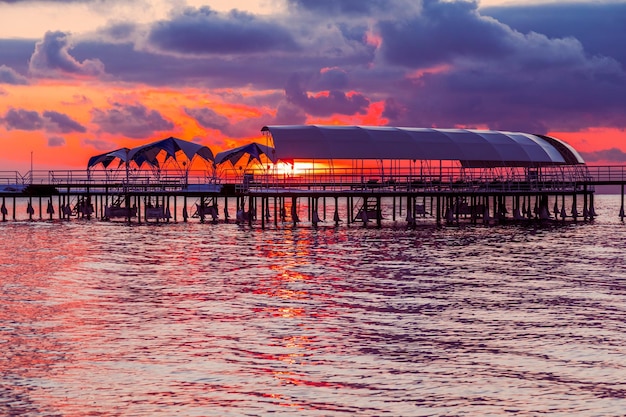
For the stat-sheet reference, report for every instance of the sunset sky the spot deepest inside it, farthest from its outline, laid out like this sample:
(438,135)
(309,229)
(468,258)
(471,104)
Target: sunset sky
(82,77)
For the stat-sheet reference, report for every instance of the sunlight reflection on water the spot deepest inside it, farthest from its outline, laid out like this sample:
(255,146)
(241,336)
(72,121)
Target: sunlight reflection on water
(198,319)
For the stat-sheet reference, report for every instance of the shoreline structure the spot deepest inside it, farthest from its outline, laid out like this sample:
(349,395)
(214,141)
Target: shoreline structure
(449,175)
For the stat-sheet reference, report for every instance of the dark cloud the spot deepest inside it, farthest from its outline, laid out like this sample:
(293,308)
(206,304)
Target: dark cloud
(55,141)
(333,7)
(610,155)
(208,118)
(100,145)
(51,121)
(20,119)
(442,32)
(324,104)
(204,31)
(502,79)
(331,79)
(432,63)
(52,58)
(597,26)
(131,120)
(10,76)
(288,114)
(15,53)
(62,123)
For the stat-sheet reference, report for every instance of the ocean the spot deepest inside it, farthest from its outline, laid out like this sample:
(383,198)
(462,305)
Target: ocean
(190,319)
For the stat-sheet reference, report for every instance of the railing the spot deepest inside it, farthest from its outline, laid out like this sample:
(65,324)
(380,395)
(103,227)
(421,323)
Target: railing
(607,173)
(332,179)
(13,178)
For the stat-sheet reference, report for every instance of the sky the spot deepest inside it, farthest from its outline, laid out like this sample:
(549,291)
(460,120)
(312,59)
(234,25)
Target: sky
(83,77)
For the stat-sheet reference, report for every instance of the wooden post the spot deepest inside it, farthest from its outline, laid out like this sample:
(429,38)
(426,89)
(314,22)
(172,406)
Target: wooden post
(379,212)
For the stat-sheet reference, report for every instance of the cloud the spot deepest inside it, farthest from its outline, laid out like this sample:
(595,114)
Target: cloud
(491,75)
(20,119)
(596,25)
(78,100)
(349,7)
(208,118)
(10,76)
(62,123)
(429,63)
(327,103)
(52,58)
(612,155)
(52,121)
(204,31)
(441,32)
(55,141)
(100,145)
(131,120)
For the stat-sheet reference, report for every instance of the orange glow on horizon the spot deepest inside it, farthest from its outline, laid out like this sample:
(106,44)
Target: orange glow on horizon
(78,98)
(594,140)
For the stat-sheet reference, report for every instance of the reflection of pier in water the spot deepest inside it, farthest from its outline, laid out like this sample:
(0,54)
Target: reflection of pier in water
(346,196)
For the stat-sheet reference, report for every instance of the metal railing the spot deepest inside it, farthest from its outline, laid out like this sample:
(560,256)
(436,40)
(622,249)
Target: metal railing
(333,179)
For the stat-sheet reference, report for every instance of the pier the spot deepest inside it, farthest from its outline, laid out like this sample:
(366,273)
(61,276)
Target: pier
(270,200)
(347,177)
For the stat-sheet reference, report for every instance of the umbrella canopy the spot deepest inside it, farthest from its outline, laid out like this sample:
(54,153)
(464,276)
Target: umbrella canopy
(107,159)
(253,150)
(148,153)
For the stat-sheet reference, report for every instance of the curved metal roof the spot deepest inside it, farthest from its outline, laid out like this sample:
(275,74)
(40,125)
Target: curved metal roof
(473,148)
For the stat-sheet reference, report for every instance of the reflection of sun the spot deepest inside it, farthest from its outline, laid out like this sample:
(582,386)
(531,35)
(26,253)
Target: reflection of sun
(289,312)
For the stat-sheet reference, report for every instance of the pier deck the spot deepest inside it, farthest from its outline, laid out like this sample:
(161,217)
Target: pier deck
(450,195)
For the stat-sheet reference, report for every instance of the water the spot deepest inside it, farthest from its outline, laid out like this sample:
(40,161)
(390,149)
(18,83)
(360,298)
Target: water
(190,319)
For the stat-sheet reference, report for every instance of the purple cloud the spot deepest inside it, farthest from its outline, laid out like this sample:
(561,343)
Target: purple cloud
(62,123)
(55,141)
(131,120)
(20,119)
(204,31)
(333,7)
(10,76)
(613,155)
(52,58)
(336,102)
(570,20)
(431,62)
(100,145)
(443,31)
(208,118)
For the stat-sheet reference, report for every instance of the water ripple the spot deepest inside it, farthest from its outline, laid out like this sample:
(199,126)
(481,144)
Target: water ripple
(105,319)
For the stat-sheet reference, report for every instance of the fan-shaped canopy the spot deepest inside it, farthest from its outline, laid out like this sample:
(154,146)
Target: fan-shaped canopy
(148,153)
(253,150)
(473,148)
(107,159)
